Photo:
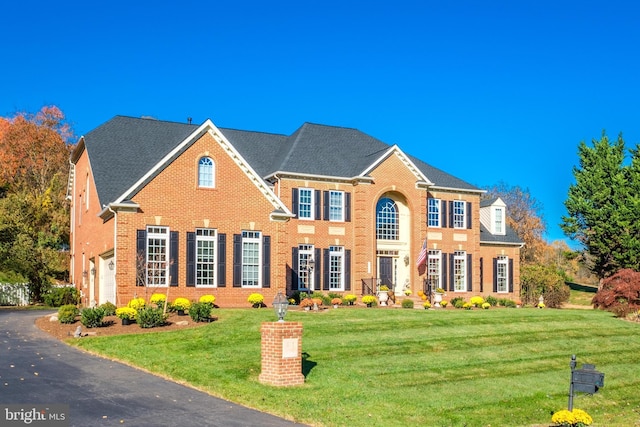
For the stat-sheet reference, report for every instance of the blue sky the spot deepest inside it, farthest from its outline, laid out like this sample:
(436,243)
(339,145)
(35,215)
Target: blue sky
(487,91)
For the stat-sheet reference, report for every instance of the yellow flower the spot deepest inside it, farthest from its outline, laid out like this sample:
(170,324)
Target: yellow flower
(136,303)
(207,299)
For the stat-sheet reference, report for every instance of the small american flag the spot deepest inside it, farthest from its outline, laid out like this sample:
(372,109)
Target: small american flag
(422,256)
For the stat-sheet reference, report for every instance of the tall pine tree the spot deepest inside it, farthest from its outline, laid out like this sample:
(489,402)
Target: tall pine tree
(602,206)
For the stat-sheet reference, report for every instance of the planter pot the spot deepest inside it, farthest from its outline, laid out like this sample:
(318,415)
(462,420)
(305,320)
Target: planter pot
(437,298)
(127,322)
(307,308)
(181,313)
(335,305)
(383,296)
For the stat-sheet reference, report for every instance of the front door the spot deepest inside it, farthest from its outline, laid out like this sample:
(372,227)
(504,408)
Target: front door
(386,271)
(107,281)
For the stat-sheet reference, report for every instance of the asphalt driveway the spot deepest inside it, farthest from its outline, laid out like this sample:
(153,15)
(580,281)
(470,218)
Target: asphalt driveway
(38,369)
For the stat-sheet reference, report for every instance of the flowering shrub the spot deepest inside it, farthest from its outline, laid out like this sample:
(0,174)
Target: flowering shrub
(443,304)
(369,300)
(575,418)
(384,288)
(486,305)
(137,303)
(181,304)
(307,302)
(407,292)
(126,313)
(158,299)
(467,306)
(541,305)
(207,299)
(256,299)
(336,301)
(420,293)
(476,301)
(426,305)
(350,299)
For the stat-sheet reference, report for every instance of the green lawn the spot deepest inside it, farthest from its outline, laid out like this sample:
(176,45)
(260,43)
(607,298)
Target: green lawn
(399,367)
(581,294)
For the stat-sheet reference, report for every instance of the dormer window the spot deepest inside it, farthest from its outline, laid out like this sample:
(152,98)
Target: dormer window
(499,221)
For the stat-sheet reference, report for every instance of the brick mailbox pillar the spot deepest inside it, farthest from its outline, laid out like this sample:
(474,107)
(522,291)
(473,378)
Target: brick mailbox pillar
(281,354)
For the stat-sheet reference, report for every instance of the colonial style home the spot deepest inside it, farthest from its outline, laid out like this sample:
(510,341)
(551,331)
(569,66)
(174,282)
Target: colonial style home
(190,210)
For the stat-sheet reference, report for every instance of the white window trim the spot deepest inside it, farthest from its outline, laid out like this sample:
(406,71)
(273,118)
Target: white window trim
(462,257)
(463,214)
(435,255)
(211,238)
(312,207)
(499,217)
(342,207)
(305,253)
(164,235)
(439,208)
(337,251)
(503,260)
(257,239)
(213,173)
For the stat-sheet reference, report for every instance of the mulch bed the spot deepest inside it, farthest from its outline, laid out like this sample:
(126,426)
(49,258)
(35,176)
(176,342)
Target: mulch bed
(113,326)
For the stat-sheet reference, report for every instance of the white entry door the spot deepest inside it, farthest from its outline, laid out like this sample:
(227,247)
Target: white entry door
(107,281)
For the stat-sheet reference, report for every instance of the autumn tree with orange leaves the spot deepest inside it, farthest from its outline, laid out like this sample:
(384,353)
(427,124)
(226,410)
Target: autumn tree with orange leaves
(34,216)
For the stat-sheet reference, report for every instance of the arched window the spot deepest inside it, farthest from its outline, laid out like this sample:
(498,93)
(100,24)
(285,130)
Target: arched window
(387,219)
(206,173)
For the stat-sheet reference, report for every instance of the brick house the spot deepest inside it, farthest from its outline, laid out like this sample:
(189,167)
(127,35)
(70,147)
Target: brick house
(160,206)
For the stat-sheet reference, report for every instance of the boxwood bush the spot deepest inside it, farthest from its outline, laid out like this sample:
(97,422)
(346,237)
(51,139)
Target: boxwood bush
(150,317)
(92,317)
(67,313)
(200,312)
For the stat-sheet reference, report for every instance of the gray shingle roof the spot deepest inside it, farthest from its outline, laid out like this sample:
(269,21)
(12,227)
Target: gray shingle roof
(123,150)
(510,237)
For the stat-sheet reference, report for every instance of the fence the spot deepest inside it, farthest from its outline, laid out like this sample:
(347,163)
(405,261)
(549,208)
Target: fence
(14,294)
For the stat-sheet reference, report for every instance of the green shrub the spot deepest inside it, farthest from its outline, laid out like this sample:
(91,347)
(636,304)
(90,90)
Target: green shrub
(509,303)
(151,317)
(407,303)
(502,302)
(92,317)
(326,300)
(457,302)
(67,313)
(109,309)
(492,300)
(200,312)
(537,279)
(59,296)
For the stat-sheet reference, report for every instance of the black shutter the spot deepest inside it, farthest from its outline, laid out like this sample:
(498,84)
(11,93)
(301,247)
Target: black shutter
(451,273)
(326,205)
(469,273)
(347,207)
(451,223)
(266,261)
(294,268)
(347,270)
(294,202)
(444,270)
(318,197)
(495,275)
(173,265)
(443,214)
(469,215)
(222,260)
(191,258)
(318,268)
(141,257)
(327,263)
(510,275)
(481,274)
(237,260)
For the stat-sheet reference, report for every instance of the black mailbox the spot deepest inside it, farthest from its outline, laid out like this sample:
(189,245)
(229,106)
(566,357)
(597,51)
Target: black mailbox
(587,379)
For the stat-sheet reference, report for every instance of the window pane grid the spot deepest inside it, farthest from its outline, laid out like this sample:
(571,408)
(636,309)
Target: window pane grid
(250,258)
(387,220)
(459,271)
(336,262)
(305,204)
(157,253)
(336,206)
(458,213)
(205,172)
(502,277)
(305,253)
(433,269)
(434,213)
(205,257)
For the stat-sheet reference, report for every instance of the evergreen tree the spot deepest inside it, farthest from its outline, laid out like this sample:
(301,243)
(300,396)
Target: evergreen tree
(602,206)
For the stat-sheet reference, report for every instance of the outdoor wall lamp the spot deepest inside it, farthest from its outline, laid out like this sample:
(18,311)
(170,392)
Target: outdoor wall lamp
(111,265)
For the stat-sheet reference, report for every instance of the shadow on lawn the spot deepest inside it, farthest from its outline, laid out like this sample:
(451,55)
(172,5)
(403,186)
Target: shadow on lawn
(307,365)
(582,288)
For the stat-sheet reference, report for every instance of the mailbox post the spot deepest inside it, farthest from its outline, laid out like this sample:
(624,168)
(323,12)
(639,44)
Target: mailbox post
(586,380)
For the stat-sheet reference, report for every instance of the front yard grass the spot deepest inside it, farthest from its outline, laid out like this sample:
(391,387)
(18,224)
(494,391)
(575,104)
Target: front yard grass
(397,367)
